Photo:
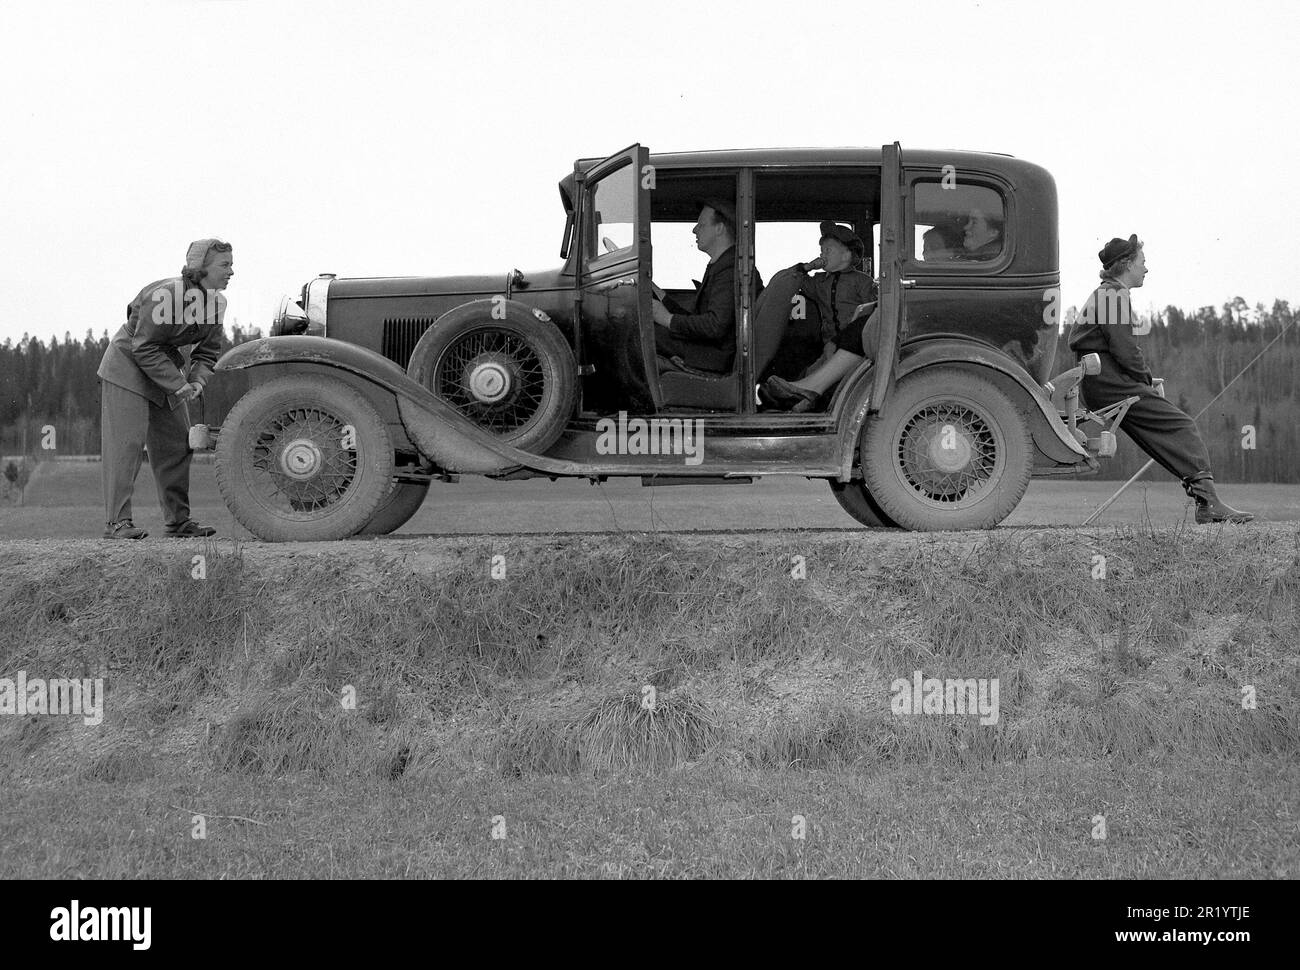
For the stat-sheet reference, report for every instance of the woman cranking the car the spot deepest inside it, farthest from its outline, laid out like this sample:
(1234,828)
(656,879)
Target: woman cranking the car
(145,381)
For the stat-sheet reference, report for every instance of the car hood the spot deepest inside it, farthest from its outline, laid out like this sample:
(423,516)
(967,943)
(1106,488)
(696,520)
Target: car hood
(481,284)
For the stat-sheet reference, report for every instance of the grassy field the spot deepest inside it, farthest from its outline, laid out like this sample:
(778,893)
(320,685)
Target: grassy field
(636,706)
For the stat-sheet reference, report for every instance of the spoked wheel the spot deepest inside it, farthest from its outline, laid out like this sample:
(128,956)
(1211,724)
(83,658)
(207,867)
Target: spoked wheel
(506,370)
(948,451)
(857,501)
(304,458)
(493,378)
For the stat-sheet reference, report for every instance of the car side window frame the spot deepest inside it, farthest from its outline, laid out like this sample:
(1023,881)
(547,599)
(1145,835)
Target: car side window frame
(958,267)
(588,233)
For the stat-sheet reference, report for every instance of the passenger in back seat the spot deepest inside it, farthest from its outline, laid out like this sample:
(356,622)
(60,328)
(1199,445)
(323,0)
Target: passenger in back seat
(839,293)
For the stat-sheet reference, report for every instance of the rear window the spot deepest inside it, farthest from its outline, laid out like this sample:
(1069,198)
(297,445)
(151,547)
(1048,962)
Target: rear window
(956,223)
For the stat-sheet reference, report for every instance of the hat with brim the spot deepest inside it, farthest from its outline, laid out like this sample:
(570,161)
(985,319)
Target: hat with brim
(1118,249)
(843,235)
(721,206)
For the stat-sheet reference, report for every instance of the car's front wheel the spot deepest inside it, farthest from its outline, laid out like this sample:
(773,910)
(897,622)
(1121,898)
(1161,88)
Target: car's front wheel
(304,457)
(949,450)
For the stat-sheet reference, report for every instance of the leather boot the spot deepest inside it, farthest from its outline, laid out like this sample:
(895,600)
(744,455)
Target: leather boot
(1210,508)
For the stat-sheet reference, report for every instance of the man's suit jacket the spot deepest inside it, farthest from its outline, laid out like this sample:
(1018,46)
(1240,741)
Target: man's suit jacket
(145,356)
(711,325)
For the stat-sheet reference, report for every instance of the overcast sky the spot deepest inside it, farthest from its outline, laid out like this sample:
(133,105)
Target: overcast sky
(386,138)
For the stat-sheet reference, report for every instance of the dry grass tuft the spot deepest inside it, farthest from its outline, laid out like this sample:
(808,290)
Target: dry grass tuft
(283,732)
(121,764)
(617,731)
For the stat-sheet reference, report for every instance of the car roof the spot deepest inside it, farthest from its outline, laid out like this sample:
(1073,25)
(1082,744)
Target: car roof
(799,157)
(1017,171)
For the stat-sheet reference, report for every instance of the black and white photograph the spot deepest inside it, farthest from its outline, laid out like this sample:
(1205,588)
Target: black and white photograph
(564,441)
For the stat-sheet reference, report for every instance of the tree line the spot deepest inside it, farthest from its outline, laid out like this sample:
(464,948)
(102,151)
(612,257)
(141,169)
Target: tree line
(1253,430)
(54,386)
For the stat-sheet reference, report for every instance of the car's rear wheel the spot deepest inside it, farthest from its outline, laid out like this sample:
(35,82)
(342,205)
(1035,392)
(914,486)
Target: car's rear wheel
(948,451)
(304,457)
(505,369)
(857,501)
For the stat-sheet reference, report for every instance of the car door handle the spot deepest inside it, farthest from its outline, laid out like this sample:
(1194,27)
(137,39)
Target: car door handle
(907,284)
(614,284)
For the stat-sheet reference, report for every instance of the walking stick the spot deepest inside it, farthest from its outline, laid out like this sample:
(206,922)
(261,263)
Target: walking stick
(1151,461)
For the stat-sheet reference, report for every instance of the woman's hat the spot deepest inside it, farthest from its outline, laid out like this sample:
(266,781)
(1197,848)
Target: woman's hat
(197,254)
(1118,249)
(843,234)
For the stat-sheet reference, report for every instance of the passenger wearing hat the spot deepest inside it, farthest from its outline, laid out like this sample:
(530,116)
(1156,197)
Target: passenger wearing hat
(1158,427)
(840,293)
(144,386)
(705,335)
(842,287)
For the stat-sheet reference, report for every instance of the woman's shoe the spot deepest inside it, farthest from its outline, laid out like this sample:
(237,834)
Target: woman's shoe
(189,529)
(123,529)
(786,396)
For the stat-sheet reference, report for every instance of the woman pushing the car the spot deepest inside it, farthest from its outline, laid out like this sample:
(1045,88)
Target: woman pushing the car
(144,385)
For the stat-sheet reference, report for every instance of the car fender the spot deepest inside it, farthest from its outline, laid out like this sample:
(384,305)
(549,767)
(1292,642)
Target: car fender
(1051,437)
(441,432)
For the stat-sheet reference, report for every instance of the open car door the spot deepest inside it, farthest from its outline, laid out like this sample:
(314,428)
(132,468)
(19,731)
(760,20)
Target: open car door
(613,280)
(891,261)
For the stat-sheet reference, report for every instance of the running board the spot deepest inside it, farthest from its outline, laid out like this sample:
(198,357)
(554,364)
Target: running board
(653,481)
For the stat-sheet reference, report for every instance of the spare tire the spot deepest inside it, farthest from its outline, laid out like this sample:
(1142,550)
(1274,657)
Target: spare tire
(505,367)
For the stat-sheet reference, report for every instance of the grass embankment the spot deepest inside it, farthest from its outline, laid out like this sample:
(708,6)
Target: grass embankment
(653,705)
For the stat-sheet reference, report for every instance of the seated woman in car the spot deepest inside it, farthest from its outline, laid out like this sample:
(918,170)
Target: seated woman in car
(982,238)
(838,291)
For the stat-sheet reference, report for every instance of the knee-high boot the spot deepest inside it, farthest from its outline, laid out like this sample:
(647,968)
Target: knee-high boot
(1209,507)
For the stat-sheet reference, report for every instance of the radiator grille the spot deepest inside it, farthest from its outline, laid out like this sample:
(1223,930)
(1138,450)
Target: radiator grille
(401,335)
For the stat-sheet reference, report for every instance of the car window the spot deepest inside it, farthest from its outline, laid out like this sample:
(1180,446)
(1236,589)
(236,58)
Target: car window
(779,245)
(957,223)
(677,262)
(612,226)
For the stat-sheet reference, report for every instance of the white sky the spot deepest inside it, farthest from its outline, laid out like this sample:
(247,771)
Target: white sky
(387,138)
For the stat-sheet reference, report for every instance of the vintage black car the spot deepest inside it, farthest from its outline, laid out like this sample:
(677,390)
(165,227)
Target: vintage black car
(370,389)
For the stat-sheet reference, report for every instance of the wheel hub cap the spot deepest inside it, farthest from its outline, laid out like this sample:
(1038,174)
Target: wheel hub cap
(947,453)
(301,459)
(950,448)
(489,381)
